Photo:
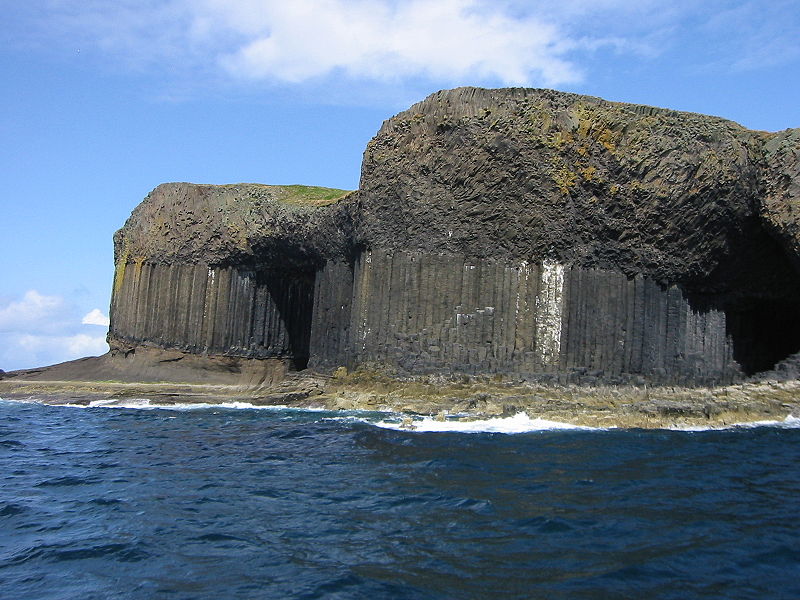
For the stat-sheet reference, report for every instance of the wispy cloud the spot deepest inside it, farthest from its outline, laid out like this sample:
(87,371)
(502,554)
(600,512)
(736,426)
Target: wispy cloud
(756,35)
(61,347)
(304,40)
(33,312)
(438,43)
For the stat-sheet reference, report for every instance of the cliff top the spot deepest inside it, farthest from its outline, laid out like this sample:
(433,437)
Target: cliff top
(222,223)
(534,174)
(306,195)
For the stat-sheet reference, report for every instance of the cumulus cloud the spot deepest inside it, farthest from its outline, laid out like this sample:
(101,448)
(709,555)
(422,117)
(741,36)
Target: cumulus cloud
(95,317)
(73,346)
(25,351)
(303,40)
(39,329)
(437,39)
(332,44)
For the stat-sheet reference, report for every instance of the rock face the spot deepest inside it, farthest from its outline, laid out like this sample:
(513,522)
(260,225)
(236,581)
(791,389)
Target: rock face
(530,232)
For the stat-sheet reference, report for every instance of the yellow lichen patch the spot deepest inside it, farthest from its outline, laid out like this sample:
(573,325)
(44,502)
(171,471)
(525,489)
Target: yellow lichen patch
(540,117)
(120,265)
(558,139)
(119,271)
(589,174)
(593,125)
(564,179)
(607,140)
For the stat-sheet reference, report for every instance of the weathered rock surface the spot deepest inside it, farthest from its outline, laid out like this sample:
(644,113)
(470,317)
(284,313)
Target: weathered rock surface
(536,174)
(780,199)
(552,236)
(240,224)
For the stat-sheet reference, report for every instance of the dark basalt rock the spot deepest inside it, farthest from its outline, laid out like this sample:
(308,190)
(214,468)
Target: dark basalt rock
(535,174)
(548,235)
(246,223)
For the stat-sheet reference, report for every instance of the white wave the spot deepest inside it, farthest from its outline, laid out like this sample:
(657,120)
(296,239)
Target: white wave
(789,422)
(519,423)
(127,403)
(147,404)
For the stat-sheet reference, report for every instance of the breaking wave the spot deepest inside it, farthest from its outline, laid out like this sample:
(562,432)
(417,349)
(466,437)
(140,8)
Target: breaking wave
(519,423)
(516,424)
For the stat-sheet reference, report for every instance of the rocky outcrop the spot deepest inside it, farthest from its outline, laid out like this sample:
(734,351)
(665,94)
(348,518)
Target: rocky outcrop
(224,270)
(546,235)
(536,174)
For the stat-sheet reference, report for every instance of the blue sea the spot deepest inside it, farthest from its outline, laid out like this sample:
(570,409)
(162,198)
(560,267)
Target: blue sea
(236,502)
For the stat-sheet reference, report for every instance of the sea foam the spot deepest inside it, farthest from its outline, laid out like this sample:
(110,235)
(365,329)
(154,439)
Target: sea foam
(147,404)
(519,423)
(790,422)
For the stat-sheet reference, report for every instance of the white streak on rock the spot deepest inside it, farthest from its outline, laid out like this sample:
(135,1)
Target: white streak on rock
(549,307)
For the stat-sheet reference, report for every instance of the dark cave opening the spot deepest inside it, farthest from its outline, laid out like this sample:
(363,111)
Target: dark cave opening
(762,302)
(764,332)
(758,288)
(293,295)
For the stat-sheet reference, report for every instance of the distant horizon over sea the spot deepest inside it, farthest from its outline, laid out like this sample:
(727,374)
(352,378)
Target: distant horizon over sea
(232,501)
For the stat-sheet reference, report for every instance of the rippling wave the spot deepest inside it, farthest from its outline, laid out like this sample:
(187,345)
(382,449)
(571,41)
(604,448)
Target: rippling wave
(228,501)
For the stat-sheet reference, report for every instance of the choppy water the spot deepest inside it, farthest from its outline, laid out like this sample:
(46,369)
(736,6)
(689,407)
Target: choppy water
(243,503)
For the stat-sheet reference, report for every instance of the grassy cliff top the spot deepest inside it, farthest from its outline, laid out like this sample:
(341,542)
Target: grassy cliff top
(308,195)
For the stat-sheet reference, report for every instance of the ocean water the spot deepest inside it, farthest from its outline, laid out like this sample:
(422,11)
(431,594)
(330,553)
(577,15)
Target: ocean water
(235,502)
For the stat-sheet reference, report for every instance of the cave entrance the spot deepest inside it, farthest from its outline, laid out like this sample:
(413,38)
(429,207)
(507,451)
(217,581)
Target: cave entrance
(761,299)
(764,332)
(292,293)
(757,287)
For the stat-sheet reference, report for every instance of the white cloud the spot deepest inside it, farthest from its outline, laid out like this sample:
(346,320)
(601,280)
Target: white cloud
(293,42)
(435,39)
(34,310)
(73,346)
(27,350)
(39,329)
(353,50)
(95,317)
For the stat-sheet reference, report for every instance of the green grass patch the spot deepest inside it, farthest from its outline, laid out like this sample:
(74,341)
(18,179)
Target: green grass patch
(308,195)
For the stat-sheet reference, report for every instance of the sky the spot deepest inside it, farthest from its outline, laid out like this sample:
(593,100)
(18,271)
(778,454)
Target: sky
(102,101)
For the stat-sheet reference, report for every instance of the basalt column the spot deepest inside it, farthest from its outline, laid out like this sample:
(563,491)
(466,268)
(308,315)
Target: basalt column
(264,313)
(442,313)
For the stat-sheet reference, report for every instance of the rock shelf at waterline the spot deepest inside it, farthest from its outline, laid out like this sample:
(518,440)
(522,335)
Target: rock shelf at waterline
(474,399)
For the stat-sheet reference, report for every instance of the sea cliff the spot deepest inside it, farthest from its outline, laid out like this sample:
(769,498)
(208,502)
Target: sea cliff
(528,234)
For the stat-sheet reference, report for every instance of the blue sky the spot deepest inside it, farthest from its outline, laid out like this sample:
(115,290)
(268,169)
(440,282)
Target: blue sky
(102,101)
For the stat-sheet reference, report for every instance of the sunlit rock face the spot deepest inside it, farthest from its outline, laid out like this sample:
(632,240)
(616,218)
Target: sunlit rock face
(534,233)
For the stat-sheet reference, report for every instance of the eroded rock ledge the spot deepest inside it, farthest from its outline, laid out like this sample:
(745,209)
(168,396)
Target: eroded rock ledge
(548,236)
